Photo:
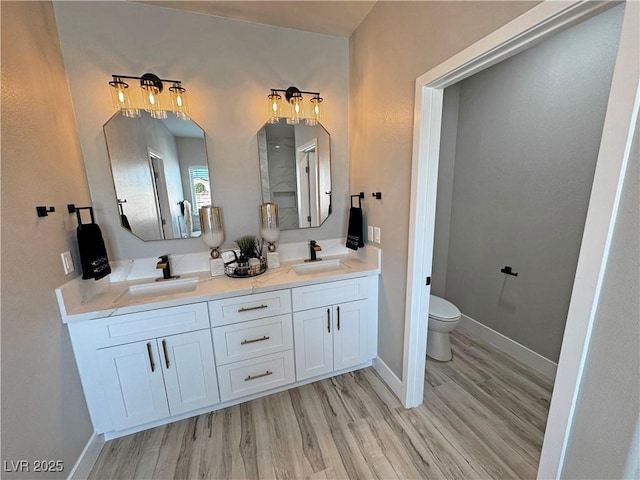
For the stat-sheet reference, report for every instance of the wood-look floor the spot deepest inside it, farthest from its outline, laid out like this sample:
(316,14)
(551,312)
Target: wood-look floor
(483,417)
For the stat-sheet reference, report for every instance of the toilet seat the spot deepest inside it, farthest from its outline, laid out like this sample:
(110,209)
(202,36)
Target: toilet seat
(443,310)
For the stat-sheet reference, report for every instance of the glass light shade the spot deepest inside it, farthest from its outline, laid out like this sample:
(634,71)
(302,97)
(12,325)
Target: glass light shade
(179,101)
(296,109)
(151,101)
(269,224)
(158,114)
(274,107)
(211,227)
(314,118)
(121,98)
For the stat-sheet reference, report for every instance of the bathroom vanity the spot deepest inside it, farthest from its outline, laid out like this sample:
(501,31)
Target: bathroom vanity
(147,357)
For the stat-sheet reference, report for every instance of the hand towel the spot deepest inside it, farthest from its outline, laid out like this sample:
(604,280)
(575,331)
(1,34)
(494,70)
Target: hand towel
(93,254)
(355,237)
(125,221)
(188,219)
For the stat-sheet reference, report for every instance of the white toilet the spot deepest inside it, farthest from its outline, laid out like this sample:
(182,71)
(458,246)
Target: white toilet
(444,316)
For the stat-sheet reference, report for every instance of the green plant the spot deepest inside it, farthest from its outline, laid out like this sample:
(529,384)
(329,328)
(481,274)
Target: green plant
(248,247)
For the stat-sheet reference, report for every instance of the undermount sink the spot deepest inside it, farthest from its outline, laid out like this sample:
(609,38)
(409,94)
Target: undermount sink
(155,289)
(319,266)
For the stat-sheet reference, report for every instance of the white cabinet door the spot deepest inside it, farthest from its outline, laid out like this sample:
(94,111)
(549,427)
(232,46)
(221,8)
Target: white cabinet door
(312,334)
(350,334)
(133,383)
(189,371)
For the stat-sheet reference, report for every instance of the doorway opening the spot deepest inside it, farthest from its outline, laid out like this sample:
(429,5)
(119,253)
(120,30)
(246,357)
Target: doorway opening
(527,30)
(160,194)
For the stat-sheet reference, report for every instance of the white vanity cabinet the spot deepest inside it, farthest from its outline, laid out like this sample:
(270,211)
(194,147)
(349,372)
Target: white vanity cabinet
(337,335)
(142,365)
(149,380)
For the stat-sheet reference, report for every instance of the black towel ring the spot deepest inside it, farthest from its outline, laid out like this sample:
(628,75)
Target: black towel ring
(73,209)
(360,196)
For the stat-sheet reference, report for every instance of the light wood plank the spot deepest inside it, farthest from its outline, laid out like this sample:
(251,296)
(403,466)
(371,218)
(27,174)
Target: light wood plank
(483,417)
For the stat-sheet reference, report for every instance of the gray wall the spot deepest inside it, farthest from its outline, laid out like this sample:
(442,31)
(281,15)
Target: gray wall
(396,43)
(228,68)
(527,142)
(44,415)
(606,417)
(446,164)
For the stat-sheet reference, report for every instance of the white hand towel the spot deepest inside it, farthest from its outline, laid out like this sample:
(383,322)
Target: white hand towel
(188,219)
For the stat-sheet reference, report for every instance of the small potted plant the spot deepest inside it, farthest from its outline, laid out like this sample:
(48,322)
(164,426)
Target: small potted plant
(249,262)
(248,248)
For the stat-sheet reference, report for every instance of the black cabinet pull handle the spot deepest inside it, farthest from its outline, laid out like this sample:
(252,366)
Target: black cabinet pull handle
(338,308)
(329,320)
(166,354)
(151,362)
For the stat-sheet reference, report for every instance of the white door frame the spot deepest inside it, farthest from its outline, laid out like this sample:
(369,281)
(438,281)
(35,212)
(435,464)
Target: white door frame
(523,32)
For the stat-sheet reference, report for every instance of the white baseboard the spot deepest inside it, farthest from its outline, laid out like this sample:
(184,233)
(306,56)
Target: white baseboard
(387,375)
(88,457)
(530,358)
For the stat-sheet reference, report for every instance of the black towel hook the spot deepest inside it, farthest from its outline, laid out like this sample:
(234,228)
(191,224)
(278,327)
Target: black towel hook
(43,211)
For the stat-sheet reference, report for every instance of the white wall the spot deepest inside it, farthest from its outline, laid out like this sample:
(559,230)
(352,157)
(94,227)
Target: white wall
(528,136)
(396,43)
(44,415)
(601,444)
(228,68)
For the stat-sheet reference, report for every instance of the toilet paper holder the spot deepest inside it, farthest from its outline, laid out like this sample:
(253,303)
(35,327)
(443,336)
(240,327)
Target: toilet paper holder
(507,270)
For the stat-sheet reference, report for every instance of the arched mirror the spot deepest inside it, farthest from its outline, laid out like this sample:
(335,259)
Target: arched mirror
(160,173)
(295,172)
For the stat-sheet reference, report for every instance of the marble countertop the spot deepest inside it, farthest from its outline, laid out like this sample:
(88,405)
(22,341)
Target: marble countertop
(80,304)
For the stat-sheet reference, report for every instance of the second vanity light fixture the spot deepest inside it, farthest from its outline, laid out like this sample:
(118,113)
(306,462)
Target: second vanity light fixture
(296,101)
(151,86)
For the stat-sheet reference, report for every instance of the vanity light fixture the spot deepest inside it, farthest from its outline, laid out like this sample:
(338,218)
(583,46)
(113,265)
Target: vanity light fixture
(295,99)
(151,86)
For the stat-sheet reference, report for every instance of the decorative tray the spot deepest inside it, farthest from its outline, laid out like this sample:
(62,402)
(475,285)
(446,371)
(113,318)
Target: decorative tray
(235,270)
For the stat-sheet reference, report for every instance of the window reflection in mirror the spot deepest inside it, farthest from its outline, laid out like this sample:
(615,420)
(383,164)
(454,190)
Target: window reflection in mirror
(295,172)
(160,174)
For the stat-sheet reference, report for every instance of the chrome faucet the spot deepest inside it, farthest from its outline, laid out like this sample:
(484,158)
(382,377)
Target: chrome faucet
(313,248)
(166,268)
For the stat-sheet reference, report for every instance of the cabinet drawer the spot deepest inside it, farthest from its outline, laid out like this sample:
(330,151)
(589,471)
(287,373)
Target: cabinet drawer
(250,339)
(330,293)
(249,307)
(121,329)
(256,375)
